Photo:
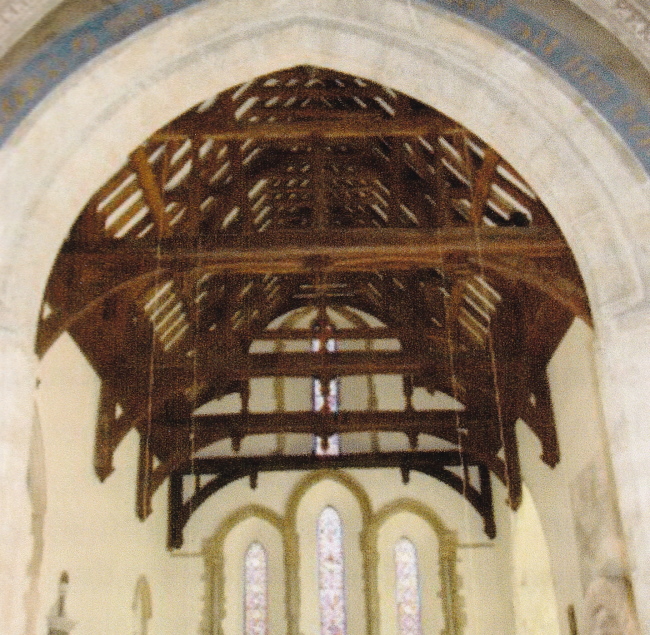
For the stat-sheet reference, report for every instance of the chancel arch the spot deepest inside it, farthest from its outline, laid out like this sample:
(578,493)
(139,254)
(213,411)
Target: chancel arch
(590,193)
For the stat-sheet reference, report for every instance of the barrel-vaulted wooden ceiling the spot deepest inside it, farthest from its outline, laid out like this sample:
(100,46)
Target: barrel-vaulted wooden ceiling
(311,188)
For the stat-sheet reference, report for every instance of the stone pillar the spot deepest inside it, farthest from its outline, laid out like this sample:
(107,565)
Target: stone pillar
(17,378)
(624,368)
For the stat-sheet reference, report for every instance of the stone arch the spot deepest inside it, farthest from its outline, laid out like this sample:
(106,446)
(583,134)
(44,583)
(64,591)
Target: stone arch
(269,531)
(308,498)
(597,193)
(447,593)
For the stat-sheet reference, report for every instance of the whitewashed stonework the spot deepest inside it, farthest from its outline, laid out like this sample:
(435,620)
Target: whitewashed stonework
(18,16)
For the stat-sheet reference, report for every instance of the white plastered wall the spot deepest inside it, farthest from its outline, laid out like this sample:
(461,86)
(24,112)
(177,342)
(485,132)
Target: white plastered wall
(81,133)
(582,442)
(92,533)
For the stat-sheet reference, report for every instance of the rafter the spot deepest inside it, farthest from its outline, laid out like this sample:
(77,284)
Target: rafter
(303,190)
(151,189)
(226,471)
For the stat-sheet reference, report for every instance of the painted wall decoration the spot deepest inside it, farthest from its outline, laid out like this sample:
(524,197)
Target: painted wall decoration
(616,102)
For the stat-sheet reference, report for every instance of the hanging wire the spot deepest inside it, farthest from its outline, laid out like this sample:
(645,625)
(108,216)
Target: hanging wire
(148,459)
(194,310)
(490,335)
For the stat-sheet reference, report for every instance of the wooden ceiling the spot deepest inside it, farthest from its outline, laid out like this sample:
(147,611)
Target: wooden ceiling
(308,187)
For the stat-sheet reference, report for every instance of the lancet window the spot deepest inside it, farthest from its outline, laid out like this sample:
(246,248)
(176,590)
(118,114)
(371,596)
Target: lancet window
(255,591)
(407,588)
(325,390)
(331,573)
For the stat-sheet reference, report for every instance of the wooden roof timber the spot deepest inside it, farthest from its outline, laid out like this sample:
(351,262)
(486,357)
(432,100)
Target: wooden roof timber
(420,223)
(170,440)
(339,364)
(225,471)
(296,251)
(194,127)
(366,250)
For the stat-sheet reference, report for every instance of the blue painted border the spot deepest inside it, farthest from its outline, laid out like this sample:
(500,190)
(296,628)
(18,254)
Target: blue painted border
(605,90)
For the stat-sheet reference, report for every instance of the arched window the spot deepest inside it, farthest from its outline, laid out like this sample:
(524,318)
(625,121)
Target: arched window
(255,590)
(325,393)
(407,588)
(331,573)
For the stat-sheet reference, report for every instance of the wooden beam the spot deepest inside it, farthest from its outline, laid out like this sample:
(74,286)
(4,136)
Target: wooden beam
(144,487)
(349,126)
(538,412)
(151,190)
(441,423)
(104,446)
(559,288)
(482,184)
(509,387)
(356,333)
(222,363)
(228,470)
(302,251)
(118,266)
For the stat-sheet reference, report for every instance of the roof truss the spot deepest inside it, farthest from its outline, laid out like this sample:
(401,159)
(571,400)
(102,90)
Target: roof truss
(309,188)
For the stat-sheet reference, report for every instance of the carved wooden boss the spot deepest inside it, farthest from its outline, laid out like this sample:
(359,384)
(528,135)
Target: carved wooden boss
(309,187)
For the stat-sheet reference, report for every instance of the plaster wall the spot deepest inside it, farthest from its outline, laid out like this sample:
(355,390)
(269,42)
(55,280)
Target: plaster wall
(536,606)
(91,531)
(597,192)
(556,492)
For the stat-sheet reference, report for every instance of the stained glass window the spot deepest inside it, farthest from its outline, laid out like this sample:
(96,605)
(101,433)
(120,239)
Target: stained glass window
(407,588)
(255,591)
(331,573)
(325,398)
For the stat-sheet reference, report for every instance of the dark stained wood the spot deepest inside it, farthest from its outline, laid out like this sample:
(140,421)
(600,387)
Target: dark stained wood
(227,470)
(104,446)
(482,186)
(441,423)
(151,189)
(332,250)
(506,348)
(332,365)
(350,127)
(570,296)
(350,198)
(355,333)
(145,486)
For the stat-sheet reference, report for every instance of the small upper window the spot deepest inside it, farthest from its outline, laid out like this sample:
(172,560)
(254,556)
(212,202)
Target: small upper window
(325,393)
